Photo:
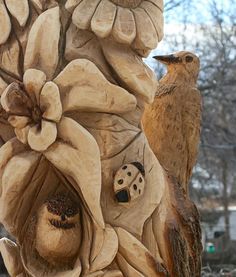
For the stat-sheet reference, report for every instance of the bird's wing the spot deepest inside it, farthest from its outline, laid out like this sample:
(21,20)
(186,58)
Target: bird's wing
(162,122)
(163,89)
(192,124)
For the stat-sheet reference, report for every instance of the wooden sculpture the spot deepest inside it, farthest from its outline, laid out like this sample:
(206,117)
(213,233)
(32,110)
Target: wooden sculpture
(81,191)
(172,122)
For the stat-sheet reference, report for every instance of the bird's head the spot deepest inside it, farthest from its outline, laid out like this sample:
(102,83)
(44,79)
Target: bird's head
(182,62)
(62,212)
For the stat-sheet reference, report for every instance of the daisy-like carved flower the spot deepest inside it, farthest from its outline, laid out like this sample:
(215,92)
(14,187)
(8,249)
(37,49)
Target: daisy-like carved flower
(138,23)
(34,108)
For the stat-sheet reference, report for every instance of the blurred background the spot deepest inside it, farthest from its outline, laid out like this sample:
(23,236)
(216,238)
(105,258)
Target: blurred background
(208,28)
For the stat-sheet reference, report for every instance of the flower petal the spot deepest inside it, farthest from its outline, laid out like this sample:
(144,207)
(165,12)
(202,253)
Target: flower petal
(40,140)
(3,85)
(8,150)
(84,87)
(158,3)
(18,122)
(42,47)
(137,76)
(156,15)
(33,81)
(83,13)
(50,102)
(78,158)
(19,9)
(15,101)
(22,134)
(103,19)
(71,4)
(124,29)
(5,23)
(145,40)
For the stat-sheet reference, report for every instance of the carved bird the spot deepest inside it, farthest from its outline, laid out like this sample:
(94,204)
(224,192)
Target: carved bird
(58,229)
(172,121)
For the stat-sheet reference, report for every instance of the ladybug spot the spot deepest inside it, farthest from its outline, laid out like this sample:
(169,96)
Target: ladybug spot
(124,167)
(139,191)
(135,187)
(140,180)
(120,182)
(129,173)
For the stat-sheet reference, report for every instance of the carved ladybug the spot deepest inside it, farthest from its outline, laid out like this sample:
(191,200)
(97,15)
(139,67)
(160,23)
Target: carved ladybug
(129,182)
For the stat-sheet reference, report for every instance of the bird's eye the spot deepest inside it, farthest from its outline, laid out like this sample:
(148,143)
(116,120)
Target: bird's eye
(189,59)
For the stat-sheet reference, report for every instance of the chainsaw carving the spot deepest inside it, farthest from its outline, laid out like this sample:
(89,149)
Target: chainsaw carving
(80,189)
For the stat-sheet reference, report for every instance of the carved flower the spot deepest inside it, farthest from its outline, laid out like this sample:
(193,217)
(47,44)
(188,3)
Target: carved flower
(18,9)
(34,108)
(134,22)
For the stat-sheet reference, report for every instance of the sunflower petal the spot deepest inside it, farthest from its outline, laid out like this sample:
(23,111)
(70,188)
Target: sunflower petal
(50,102)
(158,3)
(84,87)
(126,268)
(83,13)
(19,9)
(145,40)
(124,29)
(102,25)
(71,4)
(33,81)
(42,47)
(5,23)
(77,156)
(18,122)
(40,140)
(156,15)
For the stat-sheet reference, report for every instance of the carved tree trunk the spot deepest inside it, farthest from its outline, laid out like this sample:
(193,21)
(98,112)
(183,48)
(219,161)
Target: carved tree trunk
(81,191)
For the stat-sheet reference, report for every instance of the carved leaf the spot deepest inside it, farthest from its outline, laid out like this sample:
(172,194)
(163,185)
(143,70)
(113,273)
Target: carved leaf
(10,57)
(108,251)
(5,23)
(138,256)
(77,156)
(132,71)
(11,256)
(14,181)
(83,87)
(19,9)
(42,48)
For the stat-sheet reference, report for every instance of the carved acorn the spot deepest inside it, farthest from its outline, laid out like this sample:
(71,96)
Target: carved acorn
(129,182)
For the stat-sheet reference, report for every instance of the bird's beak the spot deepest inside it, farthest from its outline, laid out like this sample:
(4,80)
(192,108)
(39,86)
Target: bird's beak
(168,59)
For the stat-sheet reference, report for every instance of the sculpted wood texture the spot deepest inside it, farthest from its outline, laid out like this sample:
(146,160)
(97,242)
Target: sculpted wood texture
(81,191)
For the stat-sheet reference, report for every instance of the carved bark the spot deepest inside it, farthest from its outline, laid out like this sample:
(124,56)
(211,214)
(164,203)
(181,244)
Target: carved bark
(81,191)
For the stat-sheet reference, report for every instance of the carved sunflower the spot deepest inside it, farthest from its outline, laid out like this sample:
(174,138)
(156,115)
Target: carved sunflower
(134,22)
